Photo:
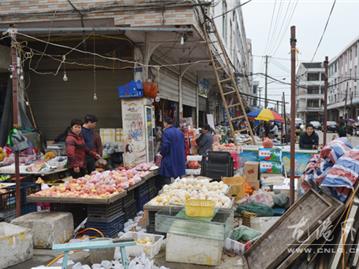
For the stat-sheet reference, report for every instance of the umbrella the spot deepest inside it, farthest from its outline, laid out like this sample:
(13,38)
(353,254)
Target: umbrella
(254,113)
(269,115)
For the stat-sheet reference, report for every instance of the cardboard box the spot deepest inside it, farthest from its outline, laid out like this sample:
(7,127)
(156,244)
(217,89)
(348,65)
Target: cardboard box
(236,184)
(253,183)
(251,171)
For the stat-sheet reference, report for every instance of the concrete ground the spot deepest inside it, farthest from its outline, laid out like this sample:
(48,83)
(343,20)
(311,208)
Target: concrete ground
(42,257)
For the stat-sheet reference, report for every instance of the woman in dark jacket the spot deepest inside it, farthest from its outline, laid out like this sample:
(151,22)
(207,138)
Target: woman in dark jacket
(76,150)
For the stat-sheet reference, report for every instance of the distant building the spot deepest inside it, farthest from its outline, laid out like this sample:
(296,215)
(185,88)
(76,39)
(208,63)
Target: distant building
(309,94)
(343,95)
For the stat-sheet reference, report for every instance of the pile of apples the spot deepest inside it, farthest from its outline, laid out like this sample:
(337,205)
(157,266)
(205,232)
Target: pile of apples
(98,184)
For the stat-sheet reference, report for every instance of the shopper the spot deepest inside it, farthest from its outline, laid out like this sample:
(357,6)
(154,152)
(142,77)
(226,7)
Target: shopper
(92,140)
(274,131)
(76,150)
(172,151)
(205,141)
(342,129)
(309,139)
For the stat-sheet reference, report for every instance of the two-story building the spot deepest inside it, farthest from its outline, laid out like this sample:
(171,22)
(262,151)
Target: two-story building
(309,94)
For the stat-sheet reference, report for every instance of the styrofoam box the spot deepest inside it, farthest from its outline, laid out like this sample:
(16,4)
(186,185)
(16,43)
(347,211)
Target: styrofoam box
(15,244)
(195,250)
(235,246)
(197,158)
(195,172)
(151,250)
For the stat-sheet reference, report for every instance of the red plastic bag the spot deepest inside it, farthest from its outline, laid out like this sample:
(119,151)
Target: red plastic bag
(150,89)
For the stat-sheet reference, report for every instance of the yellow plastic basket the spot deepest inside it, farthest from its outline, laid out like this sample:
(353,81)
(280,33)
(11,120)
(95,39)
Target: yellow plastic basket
(200,208)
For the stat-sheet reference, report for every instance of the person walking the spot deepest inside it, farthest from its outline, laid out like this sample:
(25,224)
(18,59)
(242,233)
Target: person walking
(92,140)
(342,129)
(172,152)
(205,140)
(76,150)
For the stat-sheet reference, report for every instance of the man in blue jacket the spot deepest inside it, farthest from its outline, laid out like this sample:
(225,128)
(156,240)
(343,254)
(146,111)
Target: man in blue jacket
(172,151)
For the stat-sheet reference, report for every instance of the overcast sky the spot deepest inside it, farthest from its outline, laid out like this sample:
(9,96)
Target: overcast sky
(309,17)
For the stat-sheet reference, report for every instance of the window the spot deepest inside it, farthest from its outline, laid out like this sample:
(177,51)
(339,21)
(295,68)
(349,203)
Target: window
(314,103)
(355,71)
(224,21)
(313,89)
(355,50)
(313,76)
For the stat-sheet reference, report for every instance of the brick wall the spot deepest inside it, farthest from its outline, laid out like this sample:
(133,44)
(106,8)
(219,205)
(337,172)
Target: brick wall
(123,12)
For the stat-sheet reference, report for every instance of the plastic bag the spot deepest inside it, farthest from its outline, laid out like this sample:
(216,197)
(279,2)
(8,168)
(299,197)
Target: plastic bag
(262,197)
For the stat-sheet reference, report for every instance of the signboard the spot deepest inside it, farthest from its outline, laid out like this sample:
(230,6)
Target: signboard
(134,131)
(210,120)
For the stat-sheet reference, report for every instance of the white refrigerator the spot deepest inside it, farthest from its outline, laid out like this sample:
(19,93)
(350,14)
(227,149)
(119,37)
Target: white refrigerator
(138,124)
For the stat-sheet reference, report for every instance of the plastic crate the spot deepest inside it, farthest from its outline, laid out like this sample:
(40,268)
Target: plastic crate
(105,210)
(109,226)
(7,215)
(27,188)
(28,208)
(7,199)
(200,208)
(131,89)
(141,201)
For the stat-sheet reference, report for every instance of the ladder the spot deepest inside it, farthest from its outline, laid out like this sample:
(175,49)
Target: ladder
(228,88)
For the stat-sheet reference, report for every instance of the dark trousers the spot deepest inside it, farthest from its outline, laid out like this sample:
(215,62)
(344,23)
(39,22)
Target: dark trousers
(82,173)
(90,164)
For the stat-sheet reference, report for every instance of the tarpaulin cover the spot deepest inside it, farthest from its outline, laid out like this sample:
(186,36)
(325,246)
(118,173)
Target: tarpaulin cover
(335,170)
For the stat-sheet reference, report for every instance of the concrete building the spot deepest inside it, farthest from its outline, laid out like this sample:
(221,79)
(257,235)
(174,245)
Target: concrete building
(343,93)
(134,39)
(309,94)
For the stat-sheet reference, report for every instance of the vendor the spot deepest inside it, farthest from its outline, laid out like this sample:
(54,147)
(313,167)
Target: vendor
(172,152)
(309,139)
(76,150)
(92,140)
(205,141)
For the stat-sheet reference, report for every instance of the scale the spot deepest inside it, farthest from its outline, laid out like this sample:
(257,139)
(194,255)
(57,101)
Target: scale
(95,244)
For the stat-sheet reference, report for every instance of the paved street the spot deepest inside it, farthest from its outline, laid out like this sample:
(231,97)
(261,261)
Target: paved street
(353,139)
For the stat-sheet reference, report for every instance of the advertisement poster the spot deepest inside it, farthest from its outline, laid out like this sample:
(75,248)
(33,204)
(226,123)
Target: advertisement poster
(133,123)
(301,160)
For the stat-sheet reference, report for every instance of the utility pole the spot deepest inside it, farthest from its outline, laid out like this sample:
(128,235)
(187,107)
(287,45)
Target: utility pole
(325,118)
(266,84)
(345,103)
(260,96)
(293,42)
(284,116)
(15,70)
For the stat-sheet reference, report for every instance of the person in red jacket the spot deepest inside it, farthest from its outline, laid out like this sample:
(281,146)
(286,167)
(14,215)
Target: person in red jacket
(76,150)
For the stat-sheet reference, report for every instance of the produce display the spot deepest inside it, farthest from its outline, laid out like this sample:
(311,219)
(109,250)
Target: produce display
(98,184)
(191,188)
(226,147)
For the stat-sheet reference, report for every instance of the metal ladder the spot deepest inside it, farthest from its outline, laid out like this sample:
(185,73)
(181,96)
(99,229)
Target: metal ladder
(228,88)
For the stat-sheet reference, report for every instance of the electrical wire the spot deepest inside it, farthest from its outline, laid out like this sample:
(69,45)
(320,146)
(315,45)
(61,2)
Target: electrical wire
(110,58)
(270,27)
(325,29)
(275,40)
(275,23)
(240,5)
(284,32)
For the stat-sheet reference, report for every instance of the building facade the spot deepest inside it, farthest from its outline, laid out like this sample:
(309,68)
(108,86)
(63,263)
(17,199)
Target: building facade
(137,39)
(343,92)
(309,93)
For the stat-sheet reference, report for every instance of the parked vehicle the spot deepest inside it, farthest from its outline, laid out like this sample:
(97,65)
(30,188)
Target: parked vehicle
(316,125)
(332,126)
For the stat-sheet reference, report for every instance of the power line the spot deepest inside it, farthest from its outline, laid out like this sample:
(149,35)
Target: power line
(276,22)
(325,29)
(287,24)
(281,27)
(240,5)
(270,26)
